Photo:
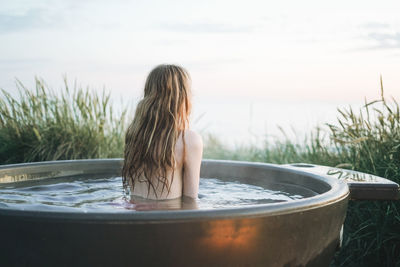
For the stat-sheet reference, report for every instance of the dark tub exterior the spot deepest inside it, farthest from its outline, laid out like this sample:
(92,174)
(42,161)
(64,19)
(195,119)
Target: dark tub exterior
(297,233)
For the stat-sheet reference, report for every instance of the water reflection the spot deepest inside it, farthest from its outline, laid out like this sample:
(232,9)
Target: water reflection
(83,194)
(229,235)
(141,204)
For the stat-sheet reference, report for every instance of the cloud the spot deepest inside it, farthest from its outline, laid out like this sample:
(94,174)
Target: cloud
(379,36)
(385,40)
(33,18)
(206,28)
(374,25)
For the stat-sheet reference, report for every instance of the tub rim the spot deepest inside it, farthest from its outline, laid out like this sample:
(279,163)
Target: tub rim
(339,192)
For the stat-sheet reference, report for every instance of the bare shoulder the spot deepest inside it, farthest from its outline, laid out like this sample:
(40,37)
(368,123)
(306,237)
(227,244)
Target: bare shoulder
(193,139)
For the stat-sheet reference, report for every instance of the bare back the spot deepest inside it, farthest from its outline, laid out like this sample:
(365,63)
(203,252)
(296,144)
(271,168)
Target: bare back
(186,173)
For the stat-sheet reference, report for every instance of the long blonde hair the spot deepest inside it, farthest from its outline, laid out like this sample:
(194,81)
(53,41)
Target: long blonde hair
(160,117)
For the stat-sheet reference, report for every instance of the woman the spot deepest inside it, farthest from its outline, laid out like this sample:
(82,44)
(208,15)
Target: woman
(162,156)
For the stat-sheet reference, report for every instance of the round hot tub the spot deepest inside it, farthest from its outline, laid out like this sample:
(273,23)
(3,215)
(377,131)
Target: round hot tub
(300,232)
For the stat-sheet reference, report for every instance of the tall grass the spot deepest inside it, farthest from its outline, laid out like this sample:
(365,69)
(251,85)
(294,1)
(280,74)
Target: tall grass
(75,123)
(369,141)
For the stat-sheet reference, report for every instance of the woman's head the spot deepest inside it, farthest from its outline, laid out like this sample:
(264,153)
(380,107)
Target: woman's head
(169,85)
(160,117)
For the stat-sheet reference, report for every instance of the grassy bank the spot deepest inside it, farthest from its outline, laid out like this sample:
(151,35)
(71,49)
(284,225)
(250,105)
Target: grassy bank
(78,123)
(75,123)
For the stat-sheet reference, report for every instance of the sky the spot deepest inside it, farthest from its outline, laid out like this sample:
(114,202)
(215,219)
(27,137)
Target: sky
(275,49)
(308,51)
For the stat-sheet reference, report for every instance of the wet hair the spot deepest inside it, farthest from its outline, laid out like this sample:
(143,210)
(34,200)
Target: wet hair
(160,117)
